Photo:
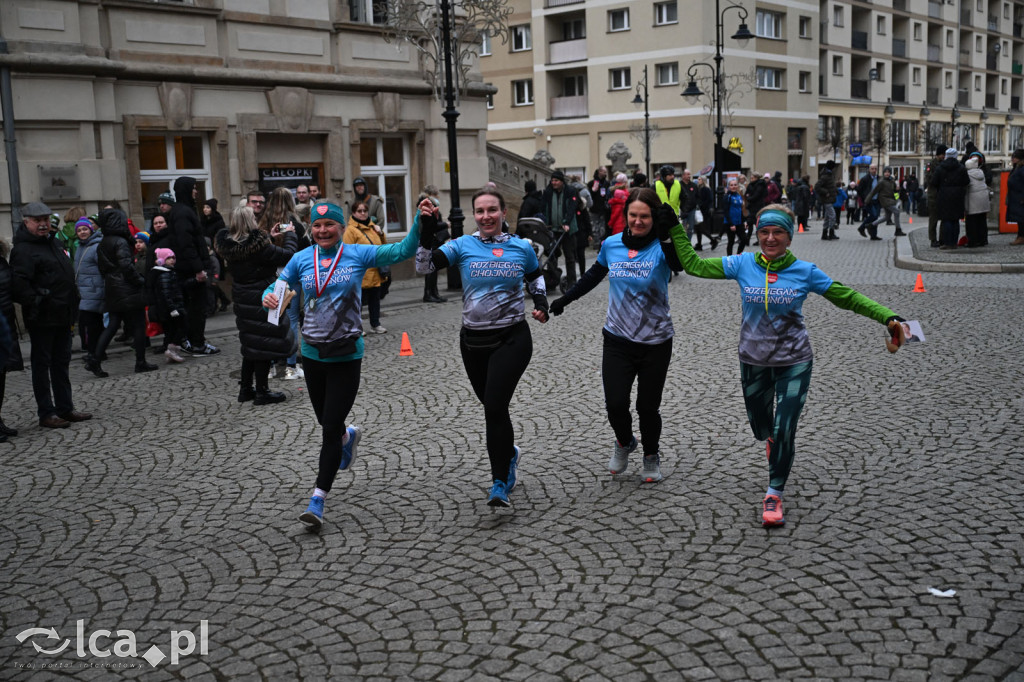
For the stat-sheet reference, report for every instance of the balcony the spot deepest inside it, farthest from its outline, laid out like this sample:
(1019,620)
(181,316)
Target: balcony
(965,57)
(567,51)
(993,22)
(899,47)
(933,97)
(1018,29)
(1015,103)
(859,40)
(1018,68)
(858,89)
(569,107)
(562,3)
(934,53)
(934,9)
(992,61)
(899,5)
(963,97)
(899,93)
(966,16)
(990,100)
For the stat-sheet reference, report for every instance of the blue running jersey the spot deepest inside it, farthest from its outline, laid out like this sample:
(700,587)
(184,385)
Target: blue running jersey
(638,307)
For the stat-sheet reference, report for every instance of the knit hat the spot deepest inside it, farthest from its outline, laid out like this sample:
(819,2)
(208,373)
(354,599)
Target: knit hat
(143,236)
(212,203)
(777,218)
(951,153)
(162,255)
(85,222)
(325,209)
(940,150)
(558,175)
(166,198)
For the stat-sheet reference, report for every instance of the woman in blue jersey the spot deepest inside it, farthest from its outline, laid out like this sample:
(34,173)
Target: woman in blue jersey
(637,331)
(495,339)
(330,276)
(774,348)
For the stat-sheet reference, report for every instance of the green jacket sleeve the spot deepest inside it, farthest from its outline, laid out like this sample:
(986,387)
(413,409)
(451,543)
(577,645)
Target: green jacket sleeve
(846,298)
(389,254)
(708,268)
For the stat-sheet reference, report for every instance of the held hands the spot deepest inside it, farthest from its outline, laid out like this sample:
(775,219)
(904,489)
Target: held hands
(540,316)
(557,306)
(897,335)
(664,220)
(428,223)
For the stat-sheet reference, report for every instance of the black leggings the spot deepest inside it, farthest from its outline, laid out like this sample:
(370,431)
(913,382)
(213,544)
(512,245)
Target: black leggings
(739,234)
(494,374)
(332,388)
(623,363)
(90,327)
(134,320)
(258,370)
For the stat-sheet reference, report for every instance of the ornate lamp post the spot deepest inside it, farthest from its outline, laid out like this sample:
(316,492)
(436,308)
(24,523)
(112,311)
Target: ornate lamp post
(638,100)
(953,116)
(692,92)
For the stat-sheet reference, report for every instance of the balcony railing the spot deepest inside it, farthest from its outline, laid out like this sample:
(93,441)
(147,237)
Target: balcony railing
(993,22)
(934,53)
(899,93)
(569,107)
(899,5)
(933,97)
(562,3)
(567,51)
(1015,103)
(965,57)
(1018,30)
(934,9)
(899,47)
(963,97)
(859,89)
(859,40)
(966,17)
(992,61)
(1018,68)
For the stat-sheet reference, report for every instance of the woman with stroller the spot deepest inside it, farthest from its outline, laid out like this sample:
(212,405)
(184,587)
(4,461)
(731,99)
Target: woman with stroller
(495,339)
(638,329)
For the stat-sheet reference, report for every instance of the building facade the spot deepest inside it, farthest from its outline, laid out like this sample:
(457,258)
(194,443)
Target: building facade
(114,99)
(901,77)
(570,72)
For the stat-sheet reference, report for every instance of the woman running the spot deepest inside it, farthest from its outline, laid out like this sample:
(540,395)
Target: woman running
(637,331)
(330,276)
(495,339)
(774,348)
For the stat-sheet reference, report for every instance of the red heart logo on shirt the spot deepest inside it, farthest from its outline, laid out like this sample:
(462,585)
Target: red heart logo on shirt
(633,253)
(325,262)
(772,278)
(498,252)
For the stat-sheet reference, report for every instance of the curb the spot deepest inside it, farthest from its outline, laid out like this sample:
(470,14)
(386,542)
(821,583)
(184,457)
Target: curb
(912,263)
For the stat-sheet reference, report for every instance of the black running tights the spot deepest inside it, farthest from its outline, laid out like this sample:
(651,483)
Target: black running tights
(332,388)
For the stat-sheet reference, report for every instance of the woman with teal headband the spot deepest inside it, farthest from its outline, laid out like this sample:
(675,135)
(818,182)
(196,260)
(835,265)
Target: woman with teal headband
(774,348)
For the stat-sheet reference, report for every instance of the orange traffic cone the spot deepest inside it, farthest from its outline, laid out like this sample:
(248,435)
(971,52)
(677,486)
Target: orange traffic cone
(919,285)
(910,220)
(407,347)
(801,228)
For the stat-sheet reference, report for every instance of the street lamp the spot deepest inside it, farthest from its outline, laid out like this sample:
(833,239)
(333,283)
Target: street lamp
(692,92)
(638,100)
(953,116)
(451,114)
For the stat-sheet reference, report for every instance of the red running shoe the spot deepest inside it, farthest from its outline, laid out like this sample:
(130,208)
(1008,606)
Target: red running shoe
(772,515)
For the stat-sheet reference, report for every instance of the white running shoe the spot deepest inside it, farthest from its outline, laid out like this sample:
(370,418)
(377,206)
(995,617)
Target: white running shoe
(379,329)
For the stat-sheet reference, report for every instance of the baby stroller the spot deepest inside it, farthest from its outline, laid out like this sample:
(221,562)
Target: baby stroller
(544,245)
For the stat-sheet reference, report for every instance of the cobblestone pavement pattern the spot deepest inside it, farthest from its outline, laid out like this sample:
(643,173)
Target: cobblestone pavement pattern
(177,504)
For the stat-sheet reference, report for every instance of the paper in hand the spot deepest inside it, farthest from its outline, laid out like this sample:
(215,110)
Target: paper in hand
(274,316)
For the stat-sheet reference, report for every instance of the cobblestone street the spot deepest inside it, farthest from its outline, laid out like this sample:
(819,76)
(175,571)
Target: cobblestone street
(176,505)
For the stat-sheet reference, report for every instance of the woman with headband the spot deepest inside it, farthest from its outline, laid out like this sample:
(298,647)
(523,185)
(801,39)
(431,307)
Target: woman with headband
(774,348)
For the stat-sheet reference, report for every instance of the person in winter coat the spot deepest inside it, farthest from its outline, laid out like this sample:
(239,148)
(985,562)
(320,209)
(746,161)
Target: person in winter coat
(431,192)
(123,290)
(600,193)
(561,204)
(89,281)
(12,361)
(825,192)
(977,205)
(533,201)
(43,283)
(211,220)
(885,191)
(951,180)
(361,230)
(617,205)
(585,235)
(755,196)
(1015,195)
(169,304)
(68,233)
(360,192)
(706,204)
(800,201)
(735,226)
(254,260)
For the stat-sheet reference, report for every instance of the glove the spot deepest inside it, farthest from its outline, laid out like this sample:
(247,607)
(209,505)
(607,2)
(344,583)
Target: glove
(428,227)
(664,220)
(558,306)
(897,335)
(175,313)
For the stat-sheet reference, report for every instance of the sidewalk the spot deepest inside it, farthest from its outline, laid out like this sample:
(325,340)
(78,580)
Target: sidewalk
(914,252)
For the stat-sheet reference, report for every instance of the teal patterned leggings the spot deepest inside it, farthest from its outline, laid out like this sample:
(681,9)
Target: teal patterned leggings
(774,397)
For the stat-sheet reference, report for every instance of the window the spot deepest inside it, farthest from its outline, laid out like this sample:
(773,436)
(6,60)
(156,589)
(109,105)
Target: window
(917,30)
(915,75)
(977,43)
(667,74)
(829,128)
(880,71)
(977,83)
(948,78)
(521,38)
(1002,86)
(368,11)
(805,81)
(903,136)
(880,26)
(768,24)
(574,29)
(384,164)
(618,20)
(805,27)
(619,79)
(837,65)
(837,16)
(865,130)
(164,158)
(666,13)
(490,101)
(769,78)
(522,92)
(949,38)
(574,86)
(485,44)
(1016,137)
(993,138)
(1006,10)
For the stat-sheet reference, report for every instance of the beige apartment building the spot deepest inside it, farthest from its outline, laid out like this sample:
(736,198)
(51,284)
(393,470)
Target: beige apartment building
(567,78)
(114,99)
(900,77)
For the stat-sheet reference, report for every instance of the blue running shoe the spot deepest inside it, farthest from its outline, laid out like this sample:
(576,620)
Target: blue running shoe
(348,450)
(513,468)
(314,514)
(499,495)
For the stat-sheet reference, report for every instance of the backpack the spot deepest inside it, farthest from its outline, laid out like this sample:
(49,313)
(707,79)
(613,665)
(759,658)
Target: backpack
(773,193)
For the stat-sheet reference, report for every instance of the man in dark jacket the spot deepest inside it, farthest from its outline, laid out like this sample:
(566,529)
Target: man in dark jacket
(533,201)
(599,196)
(800,200)
(871,208)
(825,192)
(44,285)
(560,206)
(755,195)
(1015,195)
(192,256)
(932,196)
(951,179)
